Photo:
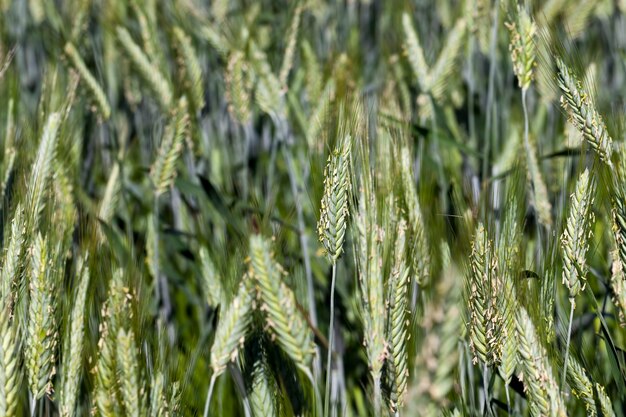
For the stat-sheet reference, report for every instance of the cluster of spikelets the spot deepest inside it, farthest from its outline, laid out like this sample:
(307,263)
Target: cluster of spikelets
(157,253)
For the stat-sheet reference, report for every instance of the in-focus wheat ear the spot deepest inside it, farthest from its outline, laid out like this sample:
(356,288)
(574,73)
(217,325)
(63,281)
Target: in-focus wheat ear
(41,331)
(576,236)
(483,292)
(10,372)
(73,344)
(278,303)
(232,327)
(575,244)
(583,114)
(334,211)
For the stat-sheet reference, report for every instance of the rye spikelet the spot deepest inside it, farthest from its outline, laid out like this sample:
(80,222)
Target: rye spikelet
(284,321)
(41,340)
(522,47)
(618,285)
(292,37)
(261,387)
(148,71)
(369,252)
(606,406)
(130,384)
(397,327)
(237,89)
(539,191)
(581,385)
(438,355)
(579,105)
(415,53)
(163,171)
(576,236)
(41,171)
(12,257)
(73,345)
(191,69)
(232,328)
(268,93)
(107,400)
(420,259)
(92,85)
(211,284)
(10,372)
(539,383)
(485,304)
(443,69)
(334,211)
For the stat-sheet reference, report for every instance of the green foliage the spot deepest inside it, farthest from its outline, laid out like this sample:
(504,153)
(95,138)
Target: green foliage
(312,208)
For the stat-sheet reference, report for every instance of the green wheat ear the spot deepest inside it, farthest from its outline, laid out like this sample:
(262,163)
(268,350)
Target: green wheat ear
(576,236)
(583,113)
(522,47)
(163,171)
(41,340)
(92,85)
(232,328)
(334,212)
(284,321)
(484,290)
(540,385)
(73,344)
(10,372)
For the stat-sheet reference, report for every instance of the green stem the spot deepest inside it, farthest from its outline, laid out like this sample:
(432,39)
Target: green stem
(330,340)
(569,334)
(209,394)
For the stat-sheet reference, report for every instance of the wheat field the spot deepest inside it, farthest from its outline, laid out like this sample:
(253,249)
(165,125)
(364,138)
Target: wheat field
(315,208)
